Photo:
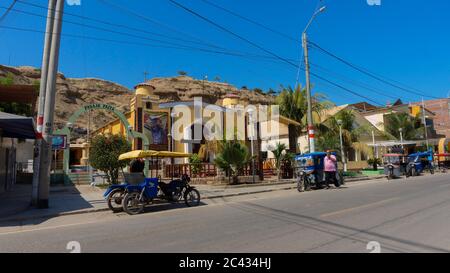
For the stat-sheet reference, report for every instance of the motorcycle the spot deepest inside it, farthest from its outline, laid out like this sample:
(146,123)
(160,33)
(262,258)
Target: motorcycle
(152,190)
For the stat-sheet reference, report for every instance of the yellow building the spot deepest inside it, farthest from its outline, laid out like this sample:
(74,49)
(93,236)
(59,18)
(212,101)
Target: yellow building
(154,119)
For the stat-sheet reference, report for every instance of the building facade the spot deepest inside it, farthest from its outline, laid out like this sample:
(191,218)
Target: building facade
(441,110)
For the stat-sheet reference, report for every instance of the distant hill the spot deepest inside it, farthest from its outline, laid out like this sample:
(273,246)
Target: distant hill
(74,93)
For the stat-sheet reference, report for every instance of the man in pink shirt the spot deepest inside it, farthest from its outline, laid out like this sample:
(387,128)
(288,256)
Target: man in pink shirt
(330,165)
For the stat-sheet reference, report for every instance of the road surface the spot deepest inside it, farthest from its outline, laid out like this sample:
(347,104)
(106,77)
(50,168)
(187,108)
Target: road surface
(398,216)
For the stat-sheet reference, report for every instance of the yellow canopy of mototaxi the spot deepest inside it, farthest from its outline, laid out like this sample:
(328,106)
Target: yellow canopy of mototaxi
(151,154)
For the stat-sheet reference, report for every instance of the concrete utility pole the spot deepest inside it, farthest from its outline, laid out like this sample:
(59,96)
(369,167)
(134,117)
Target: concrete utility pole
(425,124)
(252,124)
(311,133)
(401,136)
(344,160)
(44,172)
(41,103)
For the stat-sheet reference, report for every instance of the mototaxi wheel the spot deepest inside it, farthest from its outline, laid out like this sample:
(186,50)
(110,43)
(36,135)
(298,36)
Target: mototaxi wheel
(192,197)
(301,185)
(115,199)
(131,203)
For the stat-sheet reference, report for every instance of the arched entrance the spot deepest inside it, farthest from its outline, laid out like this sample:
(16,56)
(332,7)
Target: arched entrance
(66,131)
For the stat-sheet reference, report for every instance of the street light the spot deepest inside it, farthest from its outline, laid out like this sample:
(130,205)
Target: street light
(251,112)
(339,122)
(311,132)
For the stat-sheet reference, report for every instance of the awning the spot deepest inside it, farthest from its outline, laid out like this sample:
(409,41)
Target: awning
(149,154)
(392,143)
(13,126)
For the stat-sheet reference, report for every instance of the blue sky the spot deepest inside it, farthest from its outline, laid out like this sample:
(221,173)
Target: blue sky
(404,40)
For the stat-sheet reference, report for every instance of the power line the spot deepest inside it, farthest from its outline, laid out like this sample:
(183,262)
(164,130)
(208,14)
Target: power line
(353,82)
(231,32)
(185,48)
(155,22)
(119,25)
(265,50)
(96,27)
(231,52)
(8,10)
(345,89)
(366,72)
(252,21)
(182,47)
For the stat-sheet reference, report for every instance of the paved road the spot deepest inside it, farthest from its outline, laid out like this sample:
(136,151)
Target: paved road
(402,215)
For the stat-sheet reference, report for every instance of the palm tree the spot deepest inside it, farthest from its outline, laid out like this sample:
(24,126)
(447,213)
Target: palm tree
(279,154)
(294,105)
(232,158)
(410,126)
(329,133)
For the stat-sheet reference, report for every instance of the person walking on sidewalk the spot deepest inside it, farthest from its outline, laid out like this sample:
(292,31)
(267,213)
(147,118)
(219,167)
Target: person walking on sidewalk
(330,162)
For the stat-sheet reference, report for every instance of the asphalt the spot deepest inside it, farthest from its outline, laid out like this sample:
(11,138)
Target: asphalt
(405,215)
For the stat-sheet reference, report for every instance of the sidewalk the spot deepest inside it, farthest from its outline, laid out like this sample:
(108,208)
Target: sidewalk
(86,199)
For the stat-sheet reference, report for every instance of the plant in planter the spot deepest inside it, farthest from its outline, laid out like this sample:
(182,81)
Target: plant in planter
(374,162)
(232,159)
(196,164)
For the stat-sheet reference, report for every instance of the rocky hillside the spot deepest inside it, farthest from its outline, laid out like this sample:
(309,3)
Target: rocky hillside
(184,88)
(74,93)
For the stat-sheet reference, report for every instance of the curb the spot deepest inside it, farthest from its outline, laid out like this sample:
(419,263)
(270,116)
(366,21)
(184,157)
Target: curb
(51,215)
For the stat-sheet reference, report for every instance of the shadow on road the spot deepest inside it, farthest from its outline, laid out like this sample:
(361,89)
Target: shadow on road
(340,230)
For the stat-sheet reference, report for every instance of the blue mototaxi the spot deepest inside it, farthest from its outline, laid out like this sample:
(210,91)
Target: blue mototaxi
(138,191)
(419,162)
(309,171)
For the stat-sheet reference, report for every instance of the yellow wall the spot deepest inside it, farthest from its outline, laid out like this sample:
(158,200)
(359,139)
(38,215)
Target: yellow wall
(116,127)
(415,110)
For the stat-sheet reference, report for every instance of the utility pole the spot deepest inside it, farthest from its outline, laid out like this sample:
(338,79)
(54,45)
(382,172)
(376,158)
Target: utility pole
(91,177)
(41,103)
(344,160)
(145,76)
(252,124)
(401,136)
(49,109)
(425,124)
(375,150)
(311,133)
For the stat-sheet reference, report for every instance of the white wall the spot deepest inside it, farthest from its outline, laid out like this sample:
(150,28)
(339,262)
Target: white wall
(24,151)
(377,120)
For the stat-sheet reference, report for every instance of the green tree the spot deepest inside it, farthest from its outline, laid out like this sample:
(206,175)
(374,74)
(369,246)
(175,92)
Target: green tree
(294,105)
(105,152)
(329,134)
(280,154)
(232,159)
(8,80)
(182,73)
(196,163)
(21,109)
(411,126)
